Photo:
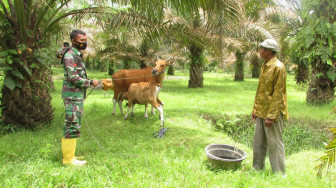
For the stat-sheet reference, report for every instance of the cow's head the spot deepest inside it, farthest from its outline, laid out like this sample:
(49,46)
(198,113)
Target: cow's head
(160,67)
(124,96)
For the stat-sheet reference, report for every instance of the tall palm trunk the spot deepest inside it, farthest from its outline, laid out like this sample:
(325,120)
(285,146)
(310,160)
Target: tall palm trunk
(110,68)
(196,67)
(239,67)
(127,64)
(256,65)
(170,70)
(221,34)
(144,47)
(321,89)
(102,66)
(142,64)
(302,73)
(29,105)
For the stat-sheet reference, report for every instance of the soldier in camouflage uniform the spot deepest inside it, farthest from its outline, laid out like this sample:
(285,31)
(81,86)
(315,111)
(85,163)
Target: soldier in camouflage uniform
(62,50)
(73,94)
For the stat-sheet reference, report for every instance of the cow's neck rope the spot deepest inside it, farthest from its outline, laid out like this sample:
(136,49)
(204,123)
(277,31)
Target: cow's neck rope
(138,77)
(131,78)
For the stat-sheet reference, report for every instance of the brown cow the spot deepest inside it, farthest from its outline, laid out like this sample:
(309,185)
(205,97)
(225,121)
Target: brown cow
(123,79)
(144,93)
(106,85)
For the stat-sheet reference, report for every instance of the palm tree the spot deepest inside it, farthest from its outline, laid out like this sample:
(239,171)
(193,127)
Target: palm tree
(26,26)
(255,64)
(315,40)
(191,24)
(247,35)
(288,35)
(258,21)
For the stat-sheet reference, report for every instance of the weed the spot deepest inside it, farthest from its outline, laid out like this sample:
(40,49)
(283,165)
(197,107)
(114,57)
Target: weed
(8,129)
(45,151)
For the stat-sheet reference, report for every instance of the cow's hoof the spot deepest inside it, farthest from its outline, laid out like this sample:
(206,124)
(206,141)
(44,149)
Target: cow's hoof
(125,118)
(132,115)
(146,117)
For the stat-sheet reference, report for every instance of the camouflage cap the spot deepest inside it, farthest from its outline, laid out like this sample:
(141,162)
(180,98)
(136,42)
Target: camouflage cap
(270,44)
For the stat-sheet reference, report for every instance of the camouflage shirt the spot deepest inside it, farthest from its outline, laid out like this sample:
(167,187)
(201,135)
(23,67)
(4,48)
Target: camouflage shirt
(75,79)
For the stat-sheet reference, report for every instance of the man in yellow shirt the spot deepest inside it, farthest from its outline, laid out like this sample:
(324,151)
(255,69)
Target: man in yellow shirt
(270,110)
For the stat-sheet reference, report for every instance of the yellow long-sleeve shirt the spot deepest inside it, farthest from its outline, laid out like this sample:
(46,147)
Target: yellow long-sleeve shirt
(271,97)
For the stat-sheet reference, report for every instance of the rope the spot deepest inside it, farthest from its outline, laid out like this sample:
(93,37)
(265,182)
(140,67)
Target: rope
(90,92)
(130,78)
(87,125)
(139,76)
(162,131)
(136,77)
(94,138)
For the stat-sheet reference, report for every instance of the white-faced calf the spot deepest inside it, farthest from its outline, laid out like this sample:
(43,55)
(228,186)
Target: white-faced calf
(106,85)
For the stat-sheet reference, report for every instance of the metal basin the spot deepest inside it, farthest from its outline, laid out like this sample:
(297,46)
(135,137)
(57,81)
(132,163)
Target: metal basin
(225,156)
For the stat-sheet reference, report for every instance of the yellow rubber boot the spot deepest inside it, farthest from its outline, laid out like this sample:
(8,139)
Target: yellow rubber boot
(68,152)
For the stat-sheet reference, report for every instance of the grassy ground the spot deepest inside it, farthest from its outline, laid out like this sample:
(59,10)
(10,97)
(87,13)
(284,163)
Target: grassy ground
(123,153)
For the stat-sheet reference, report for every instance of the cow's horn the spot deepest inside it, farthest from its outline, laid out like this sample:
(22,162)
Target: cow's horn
(157,56)
(168,58)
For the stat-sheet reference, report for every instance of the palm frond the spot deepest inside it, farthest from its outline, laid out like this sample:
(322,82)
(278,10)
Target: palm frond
(28,4)
(41,12)
(3,8)
(20,18)
(151,29)
(78,12)
(63,3)
(329,158)
(2,16)
(256,31)
(279,14)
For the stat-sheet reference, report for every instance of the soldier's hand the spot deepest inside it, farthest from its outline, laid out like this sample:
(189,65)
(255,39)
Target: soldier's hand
(269,122)
(95,82)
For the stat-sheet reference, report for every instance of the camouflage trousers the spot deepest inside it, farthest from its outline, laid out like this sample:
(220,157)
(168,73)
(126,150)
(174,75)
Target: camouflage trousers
(73,118)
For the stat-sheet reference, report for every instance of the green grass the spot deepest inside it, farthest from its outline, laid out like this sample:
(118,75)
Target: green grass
(123,153)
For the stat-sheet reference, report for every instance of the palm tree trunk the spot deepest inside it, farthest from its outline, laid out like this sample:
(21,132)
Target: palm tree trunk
(196,67)
(321,89)
(30,105)
(103,65)
(144,47)
(170,70)
(221,34)
(142,64)
(93,63)
(256,65)
(127,64)
(110,68)
(239,67)
(302,73)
